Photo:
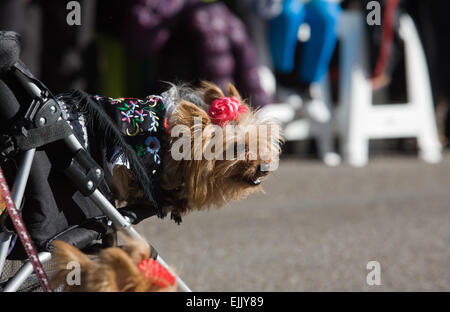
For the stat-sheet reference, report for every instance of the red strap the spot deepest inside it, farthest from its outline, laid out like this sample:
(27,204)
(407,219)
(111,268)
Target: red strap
(6,200)
(386,38)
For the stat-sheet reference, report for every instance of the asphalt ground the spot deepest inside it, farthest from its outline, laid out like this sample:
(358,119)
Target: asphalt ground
(316,228)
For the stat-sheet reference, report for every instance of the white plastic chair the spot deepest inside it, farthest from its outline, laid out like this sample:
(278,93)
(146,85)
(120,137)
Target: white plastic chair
(358,120)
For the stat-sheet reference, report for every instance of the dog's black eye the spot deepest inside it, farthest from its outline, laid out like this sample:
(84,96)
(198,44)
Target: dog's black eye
(237,151)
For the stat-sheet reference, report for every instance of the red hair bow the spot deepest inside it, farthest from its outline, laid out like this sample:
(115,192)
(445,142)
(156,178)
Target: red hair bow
(160,275)
(225,109)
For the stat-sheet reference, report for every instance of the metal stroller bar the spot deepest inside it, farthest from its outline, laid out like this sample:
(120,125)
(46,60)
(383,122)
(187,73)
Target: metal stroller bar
(96,196)
(24,272)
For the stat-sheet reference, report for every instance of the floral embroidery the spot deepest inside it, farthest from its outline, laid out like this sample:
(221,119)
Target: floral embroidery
(110,100)
(151,145)
(131,113)
(157,159)
(140,114)
(135,111)
(140,121)
(153,123)
(126,116)
(141,150)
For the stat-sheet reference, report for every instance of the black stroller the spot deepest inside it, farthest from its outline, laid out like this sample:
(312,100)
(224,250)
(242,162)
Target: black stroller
(38,153)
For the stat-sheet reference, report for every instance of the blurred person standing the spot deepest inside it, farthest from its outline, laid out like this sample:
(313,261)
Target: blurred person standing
(298,65)
(62,55)
(433,23)
(194,40)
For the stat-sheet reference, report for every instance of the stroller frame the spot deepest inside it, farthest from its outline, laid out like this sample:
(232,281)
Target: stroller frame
(17,193)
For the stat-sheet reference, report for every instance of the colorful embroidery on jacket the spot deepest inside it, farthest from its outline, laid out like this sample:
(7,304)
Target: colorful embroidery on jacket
(142,121)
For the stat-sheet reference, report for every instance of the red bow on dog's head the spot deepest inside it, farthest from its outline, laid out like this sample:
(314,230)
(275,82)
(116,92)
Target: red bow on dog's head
(225,109)
(159,275)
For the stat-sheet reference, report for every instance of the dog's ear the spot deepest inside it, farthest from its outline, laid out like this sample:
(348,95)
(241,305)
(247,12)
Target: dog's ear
(211,92)
(124,274)
(187,111)
(135,248)
(232,91)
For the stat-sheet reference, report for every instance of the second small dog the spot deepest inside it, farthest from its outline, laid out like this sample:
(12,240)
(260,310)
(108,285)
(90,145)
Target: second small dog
(114,269)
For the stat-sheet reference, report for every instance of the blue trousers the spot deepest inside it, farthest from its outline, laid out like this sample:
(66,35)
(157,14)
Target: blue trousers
(322,17)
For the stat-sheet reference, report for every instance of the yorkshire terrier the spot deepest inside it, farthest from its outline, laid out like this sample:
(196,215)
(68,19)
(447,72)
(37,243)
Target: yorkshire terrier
(201,183)
(192,159)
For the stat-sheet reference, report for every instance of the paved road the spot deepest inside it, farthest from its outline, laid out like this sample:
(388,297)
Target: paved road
(316,228)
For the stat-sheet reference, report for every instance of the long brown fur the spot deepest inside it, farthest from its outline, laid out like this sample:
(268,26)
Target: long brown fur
(200,184)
